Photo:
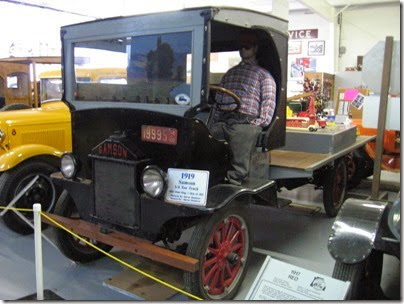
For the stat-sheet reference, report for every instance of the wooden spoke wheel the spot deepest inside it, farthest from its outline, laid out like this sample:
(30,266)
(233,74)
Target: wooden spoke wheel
(222,243)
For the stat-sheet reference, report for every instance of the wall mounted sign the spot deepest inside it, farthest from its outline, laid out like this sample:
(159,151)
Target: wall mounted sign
(303,34)
(294,47)
(316,48)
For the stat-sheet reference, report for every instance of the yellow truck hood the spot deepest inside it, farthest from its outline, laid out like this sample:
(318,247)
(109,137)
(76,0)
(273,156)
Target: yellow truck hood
(51,112)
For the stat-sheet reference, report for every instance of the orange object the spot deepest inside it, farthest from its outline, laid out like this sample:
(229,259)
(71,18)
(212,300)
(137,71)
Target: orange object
(391,146)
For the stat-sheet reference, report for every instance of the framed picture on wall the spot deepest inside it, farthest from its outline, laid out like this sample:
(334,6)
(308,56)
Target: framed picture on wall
(294,47)
(316,48)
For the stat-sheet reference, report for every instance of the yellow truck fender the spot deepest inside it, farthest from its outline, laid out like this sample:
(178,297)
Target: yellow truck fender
(16,156)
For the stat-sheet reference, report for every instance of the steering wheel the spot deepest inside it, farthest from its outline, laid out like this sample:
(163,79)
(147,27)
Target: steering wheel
(236,99)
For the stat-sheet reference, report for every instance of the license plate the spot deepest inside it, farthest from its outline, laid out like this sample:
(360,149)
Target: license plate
(161,135)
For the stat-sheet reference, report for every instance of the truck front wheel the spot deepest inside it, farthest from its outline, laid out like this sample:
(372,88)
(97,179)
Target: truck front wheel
(222,243)
(72,247)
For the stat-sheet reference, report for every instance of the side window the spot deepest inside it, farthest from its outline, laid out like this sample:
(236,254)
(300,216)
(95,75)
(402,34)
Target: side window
(220,63)
(18,84)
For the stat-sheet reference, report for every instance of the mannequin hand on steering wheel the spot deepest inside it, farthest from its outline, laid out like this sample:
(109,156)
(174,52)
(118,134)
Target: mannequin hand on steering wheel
(236,99)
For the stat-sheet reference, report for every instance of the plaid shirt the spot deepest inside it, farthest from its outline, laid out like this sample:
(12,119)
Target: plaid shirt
(257,89)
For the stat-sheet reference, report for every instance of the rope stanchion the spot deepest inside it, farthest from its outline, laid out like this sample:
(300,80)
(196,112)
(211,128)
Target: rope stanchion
(119,260)
(38,252)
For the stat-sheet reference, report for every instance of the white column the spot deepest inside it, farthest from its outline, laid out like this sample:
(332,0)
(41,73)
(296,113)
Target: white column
(38,252)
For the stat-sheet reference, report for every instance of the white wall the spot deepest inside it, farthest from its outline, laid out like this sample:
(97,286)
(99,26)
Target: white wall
(363,27)
(299,20)
(32,31)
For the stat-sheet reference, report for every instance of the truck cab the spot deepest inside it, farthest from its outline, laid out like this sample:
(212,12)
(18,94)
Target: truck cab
(143,160)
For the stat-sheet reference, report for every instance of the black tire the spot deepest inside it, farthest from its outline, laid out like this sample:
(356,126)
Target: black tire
(43,192)
(334,187)
(363,167)
(365,277)
(15,106)
(230,264)
(69,245)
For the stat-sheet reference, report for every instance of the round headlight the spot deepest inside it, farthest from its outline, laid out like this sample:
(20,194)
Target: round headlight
(68,165)
(154,181)
(2,136)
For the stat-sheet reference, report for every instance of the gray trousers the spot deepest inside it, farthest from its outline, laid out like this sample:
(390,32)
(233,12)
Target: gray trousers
(242,138)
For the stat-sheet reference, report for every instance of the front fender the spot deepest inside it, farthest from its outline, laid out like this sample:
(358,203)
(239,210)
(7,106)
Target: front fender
(220,195)
(19,154)
(354,230)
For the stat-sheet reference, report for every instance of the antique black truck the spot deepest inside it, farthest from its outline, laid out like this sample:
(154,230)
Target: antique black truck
(143,161)
(144,164)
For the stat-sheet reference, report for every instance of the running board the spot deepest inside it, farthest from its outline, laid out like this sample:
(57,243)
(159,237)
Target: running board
(126,242)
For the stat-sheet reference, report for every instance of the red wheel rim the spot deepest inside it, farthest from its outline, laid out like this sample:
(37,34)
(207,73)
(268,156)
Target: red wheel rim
(225,256)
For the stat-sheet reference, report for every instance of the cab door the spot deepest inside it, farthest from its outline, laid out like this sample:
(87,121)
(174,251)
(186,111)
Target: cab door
(16,86)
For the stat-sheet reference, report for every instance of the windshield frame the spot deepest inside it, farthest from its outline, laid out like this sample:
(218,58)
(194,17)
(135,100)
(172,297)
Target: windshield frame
(145,25)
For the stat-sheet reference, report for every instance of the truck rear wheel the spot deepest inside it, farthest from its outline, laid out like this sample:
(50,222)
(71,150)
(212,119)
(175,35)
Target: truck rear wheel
(222,243)
(334,187)
(72,247)
(43,191)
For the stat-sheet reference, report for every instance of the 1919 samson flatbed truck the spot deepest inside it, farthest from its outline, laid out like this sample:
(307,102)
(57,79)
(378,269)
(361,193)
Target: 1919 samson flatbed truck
(145,166)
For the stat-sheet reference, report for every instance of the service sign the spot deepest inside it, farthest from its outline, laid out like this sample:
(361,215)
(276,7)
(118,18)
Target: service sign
(188,187)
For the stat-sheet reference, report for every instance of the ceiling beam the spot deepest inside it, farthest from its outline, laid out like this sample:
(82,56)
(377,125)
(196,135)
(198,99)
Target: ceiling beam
(321,7)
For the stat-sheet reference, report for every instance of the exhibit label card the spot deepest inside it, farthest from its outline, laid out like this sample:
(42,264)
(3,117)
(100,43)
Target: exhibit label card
(277,280)
(189,187)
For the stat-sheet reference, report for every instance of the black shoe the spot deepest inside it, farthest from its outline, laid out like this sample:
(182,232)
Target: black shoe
(233,181)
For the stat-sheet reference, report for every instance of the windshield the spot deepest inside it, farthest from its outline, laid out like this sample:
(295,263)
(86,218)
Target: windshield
(51,88)
(140,69)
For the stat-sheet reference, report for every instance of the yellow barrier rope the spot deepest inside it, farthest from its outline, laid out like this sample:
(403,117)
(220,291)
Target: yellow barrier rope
(120,261)
(17,209)
(108,254)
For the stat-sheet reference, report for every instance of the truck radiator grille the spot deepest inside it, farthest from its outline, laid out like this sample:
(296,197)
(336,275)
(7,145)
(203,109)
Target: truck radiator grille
(55,137)
(115,193)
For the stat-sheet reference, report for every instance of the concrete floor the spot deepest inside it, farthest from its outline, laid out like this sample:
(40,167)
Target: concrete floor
(297,235)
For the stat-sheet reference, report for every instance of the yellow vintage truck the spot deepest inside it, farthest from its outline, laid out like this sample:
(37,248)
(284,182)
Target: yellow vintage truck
(18,86)
(31,143)
(32,140)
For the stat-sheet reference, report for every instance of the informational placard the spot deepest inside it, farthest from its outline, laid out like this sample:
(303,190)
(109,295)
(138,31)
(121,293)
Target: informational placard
(278,280)
(189,187)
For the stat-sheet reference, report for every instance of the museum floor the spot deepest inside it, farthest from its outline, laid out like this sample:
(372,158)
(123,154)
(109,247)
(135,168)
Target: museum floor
(297,235)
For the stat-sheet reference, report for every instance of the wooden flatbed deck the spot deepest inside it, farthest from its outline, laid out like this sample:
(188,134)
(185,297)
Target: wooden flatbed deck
(308,162)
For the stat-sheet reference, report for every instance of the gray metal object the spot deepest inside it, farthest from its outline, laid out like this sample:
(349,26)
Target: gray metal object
(373,65)
(323,141)
(354,231)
